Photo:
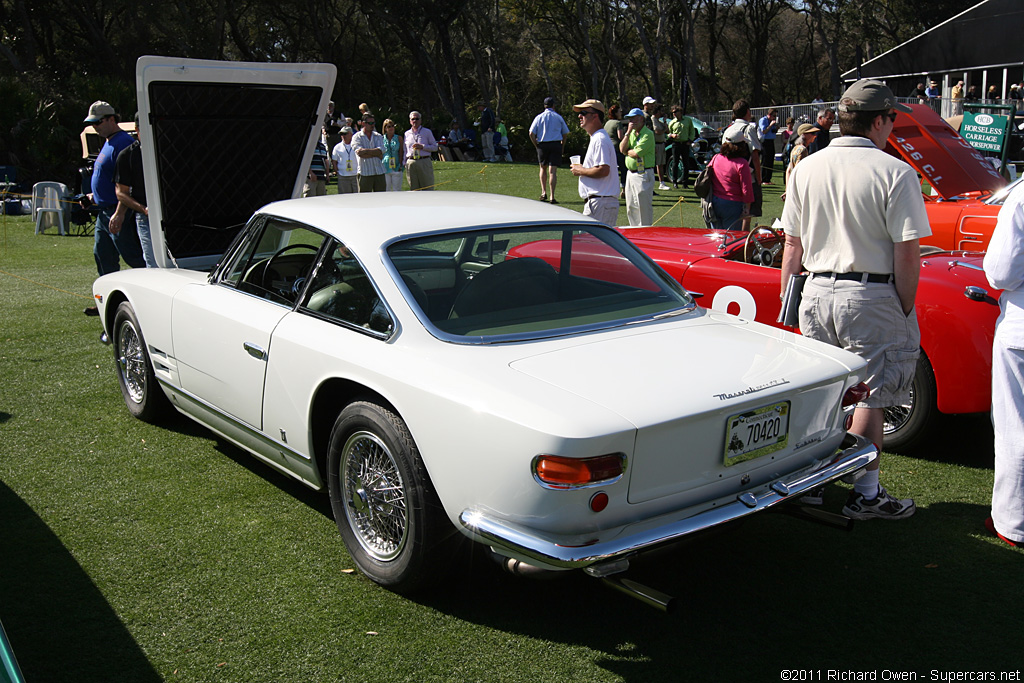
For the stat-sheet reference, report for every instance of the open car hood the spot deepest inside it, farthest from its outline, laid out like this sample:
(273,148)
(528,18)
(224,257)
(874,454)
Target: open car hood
(220,140)
(948,162)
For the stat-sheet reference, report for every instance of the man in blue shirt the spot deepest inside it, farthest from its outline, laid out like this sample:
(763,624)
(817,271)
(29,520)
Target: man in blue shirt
(548,133)
(767,127)
(111,242)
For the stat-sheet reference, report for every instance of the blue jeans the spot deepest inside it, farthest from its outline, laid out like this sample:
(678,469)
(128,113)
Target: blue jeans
(146,240)
(728,212)
(108,249)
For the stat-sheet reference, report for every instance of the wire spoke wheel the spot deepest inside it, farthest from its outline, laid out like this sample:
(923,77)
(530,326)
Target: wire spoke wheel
(131,361)
(142,393)
(897,417)
(910,425)
(375,496)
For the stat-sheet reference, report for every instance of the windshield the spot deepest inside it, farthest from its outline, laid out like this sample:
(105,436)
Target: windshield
(519,283)
(1000,196)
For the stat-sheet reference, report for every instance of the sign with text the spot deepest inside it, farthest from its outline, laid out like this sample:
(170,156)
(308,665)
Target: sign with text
(986,132)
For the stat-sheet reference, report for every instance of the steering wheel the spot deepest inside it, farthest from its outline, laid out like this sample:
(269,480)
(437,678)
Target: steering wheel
(755,251)
(270,262)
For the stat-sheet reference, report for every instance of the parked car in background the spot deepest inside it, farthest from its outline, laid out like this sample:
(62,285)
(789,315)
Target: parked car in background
(707,144)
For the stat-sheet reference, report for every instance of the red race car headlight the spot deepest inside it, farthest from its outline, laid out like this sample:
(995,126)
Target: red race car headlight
(559,472)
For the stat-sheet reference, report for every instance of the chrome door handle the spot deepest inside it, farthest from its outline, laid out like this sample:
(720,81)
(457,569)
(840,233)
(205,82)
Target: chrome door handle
(255,350)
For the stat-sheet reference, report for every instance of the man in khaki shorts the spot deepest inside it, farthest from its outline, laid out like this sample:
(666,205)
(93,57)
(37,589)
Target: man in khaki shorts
(853,219)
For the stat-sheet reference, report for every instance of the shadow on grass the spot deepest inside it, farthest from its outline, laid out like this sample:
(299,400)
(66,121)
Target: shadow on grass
(316,500)
(930,592)
(59,624)
(962,440)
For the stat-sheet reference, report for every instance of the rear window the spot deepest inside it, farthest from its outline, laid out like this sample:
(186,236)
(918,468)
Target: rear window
(510,284)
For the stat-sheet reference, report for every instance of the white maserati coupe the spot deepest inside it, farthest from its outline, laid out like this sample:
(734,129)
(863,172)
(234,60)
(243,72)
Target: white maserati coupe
(567,409)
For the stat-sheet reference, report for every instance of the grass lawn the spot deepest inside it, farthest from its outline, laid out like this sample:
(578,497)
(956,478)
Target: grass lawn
(136,553)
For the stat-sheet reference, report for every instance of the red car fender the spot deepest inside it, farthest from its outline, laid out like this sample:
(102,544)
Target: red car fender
(957,331)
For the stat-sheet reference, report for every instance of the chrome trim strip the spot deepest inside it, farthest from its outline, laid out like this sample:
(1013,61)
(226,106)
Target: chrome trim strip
(547,550)
(255,433)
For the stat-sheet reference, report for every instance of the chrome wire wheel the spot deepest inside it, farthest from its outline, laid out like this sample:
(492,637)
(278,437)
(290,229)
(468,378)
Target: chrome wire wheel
(375,496)
(131,361)
(896,417)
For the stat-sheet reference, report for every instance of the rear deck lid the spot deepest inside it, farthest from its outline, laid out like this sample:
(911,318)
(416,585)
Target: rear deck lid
(220,140)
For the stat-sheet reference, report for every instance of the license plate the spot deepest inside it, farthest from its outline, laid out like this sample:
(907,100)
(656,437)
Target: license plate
(757,432)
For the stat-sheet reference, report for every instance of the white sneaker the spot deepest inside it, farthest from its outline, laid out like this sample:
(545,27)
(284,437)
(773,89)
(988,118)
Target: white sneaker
(663,186)
(883,506)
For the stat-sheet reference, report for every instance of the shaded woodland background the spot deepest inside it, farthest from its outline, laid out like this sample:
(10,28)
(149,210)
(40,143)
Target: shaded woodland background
(440,56)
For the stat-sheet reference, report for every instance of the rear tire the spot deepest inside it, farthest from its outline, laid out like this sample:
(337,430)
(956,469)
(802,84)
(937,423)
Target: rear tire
(383,501)
(908,427)
(139,387)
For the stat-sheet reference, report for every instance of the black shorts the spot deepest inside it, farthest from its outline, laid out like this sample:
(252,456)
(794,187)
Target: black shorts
(549,153)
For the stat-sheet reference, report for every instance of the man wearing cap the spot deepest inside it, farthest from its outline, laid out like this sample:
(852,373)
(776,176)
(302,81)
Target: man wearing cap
(346,165)
(369,147)
(649,104)
(118,241)
(853,219)
(598,174)
(638,147)
(743,125)
(548,133)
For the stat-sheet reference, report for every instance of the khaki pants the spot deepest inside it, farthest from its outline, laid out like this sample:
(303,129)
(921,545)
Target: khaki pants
(421,174)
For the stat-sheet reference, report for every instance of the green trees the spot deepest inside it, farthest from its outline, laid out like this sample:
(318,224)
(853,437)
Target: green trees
(439,56)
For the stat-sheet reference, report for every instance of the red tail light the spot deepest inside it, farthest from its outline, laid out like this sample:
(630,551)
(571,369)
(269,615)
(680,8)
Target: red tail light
(555,471)
(855,394)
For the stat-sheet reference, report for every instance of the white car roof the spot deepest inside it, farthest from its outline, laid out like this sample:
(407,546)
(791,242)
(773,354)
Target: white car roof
(367,221)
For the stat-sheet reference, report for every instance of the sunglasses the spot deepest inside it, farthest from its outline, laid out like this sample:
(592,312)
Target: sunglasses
(414,118)
(587,112)
(892,116)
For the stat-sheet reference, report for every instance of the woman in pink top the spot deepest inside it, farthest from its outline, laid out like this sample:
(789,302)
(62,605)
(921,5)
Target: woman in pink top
(732,188)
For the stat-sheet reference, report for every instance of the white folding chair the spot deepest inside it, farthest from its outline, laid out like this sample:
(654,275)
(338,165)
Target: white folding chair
(49,206)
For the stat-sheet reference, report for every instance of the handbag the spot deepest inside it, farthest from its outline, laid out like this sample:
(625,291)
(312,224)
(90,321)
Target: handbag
(708,211)
(702,185)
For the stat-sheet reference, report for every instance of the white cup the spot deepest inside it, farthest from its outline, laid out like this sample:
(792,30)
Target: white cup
(574,159)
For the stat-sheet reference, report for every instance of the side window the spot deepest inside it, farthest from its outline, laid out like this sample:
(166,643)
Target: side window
(274,261)
(341,290)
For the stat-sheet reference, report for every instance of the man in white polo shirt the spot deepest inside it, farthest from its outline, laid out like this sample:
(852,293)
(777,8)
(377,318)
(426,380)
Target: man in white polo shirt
(599,172)
(853,218)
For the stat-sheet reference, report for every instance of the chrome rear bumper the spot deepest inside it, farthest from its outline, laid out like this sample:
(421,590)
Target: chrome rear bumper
(545,550)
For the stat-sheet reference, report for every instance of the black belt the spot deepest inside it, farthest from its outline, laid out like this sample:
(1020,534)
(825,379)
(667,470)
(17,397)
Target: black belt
(877,278)
(601,196)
